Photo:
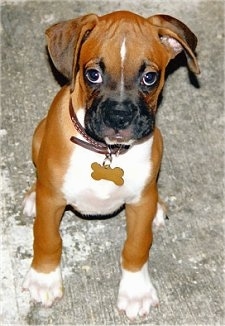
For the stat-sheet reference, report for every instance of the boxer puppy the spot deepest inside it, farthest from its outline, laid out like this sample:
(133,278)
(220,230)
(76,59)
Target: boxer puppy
(98,148)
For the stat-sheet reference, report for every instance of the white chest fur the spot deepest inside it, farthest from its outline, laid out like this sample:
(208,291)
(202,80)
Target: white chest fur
(90,196)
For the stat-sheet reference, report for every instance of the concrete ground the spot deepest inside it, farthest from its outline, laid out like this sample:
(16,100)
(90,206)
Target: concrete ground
(187,257)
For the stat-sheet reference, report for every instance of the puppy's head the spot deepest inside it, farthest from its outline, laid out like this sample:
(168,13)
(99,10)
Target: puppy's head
(116,66)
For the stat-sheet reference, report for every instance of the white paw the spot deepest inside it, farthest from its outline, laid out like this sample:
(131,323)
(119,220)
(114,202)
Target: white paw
(29,204)
(44,287)
(159,219)
(136,293)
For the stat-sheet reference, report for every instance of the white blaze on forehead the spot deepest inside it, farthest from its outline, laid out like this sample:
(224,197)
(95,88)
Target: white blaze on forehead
(123,51)
(122,56)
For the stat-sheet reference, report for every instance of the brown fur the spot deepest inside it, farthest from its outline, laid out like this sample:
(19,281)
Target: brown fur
(71,50)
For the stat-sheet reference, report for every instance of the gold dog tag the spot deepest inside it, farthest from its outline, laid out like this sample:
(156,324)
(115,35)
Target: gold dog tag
(105,172)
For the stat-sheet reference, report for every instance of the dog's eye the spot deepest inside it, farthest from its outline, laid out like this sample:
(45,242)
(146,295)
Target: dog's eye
(150,78)
(93,76)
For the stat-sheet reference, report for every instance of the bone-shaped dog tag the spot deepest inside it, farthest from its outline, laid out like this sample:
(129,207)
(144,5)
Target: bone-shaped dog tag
(105,172)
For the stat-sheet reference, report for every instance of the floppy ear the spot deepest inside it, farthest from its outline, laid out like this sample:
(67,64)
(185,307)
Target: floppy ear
(176,36)
(64,41)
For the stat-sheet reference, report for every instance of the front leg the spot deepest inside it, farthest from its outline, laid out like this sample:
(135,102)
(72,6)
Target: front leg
(136,292)
(44,280)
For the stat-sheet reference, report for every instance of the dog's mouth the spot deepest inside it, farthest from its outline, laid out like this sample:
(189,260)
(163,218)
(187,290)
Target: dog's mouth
(119,124)
(113,138)
(117,148)
(114,142)
(118,138)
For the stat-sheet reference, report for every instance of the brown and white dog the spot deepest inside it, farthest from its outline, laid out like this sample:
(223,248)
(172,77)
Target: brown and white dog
(98,148)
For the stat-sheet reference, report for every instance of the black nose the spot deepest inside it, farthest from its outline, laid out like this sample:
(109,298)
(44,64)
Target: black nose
(118,115)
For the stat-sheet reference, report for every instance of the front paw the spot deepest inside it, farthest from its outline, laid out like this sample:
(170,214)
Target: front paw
(44,288)
(136,293)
